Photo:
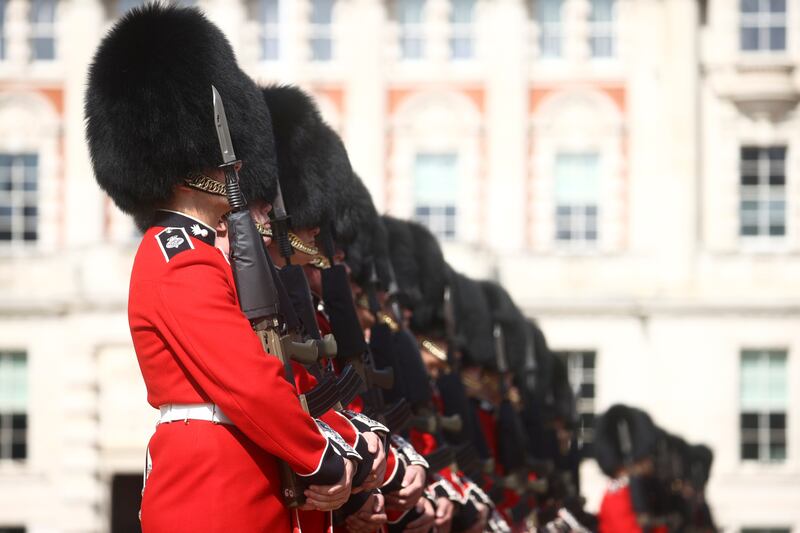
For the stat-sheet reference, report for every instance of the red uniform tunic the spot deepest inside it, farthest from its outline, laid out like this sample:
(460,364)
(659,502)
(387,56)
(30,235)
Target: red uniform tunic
(195,346)
(616,511)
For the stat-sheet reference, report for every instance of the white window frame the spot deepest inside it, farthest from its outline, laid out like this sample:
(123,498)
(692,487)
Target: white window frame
(578,375)
(7,433)
(763,193)
(578,218)
(437,121)
(269,31)
(408,31)
(439,221)
(462,31)
(43,30)
(577,120)
(321,32)
(603,29)
(549,30)
(764,21)
(764,436)
(18,198)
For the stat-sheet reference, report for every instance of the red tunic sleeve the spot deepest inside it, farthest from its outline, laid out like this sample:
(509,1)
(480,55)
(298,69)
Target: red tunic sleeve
(616,512)
(192,306)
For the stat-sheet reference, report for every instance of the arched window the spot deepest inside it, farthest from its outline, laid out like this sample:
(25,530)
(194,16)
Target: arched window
(435,163)
(577,173)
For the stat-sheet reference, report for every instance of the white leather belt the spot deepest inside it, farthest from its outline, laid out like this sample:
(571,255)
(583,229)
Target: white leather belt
(209,412)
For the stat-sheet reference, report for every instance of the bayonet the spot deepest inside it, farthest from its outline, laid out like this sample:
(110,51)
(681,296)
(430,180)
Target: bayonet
(223,133)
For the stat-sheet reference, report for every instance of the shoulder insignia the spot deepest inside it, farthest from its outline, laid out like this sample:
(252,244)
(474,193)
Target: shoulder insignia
(173,241)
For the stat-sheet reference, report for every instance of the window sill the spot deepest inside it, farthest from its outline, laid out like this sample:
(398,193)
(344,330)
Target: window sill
(764,246)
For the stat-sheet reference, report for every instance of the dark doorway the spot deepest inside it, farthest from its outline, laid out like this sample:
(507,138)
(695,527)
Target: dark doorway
(126,498)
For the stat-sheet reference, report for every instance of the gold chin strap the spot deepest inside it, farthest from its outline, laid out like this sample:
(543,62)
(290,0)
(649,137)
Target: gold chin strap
(435,350)
(384,318)
(201,182)
(296,242)
(389,321)
(321,262)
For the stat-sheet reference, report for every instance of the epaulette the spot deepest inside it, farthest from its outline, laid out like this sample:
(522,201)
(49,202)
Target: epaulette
(173,241)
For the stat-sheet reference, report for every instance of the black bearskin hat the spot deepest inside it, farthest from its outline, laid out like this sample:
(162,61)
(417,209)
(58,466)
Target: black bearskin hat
(428,315)
(354,208)
(308,152)
(149,111)
(621,420)
(357,226)
(401,255)
(505,313)
(700,460)
(473,321)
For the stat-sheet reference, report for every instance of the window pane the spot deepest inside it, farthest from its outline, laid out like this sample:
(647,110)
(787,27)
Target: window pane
(777,422)
(268,16)
(321,11)
(577,179)
(410,17)
(3,4)
(762,208)
(777,451)
(126,5)
(461,11)
(42,16)
(777,39)
(777,6)
(435,192)
(18,198)
(762,25)
(13,405)
(749,38)
(749,451)
(749,420)
(749,6)
(461,48)
(549,17)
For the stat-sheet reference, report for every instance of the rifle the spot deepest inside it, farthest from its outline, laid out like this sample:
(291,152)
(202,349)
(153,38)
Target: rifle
(258,298)
(454,396)
(511,449)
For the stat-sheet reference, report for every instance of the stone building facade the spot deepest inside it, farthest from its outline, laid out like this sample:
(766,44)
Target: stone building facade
(629,169)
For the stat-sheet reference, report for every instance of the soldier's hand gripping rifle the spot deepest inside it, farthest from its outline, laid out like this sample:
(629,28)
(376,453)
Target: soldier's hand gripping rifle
(254,284)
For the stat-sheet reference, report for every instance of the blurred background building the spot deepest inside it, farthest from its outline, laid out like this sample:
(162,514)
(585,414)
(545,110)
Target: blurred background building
(625,168)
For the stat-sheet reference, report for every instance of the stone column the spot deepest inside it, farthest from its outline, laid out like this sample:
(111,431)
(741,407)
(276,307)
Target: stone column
(504,55)
(363,55)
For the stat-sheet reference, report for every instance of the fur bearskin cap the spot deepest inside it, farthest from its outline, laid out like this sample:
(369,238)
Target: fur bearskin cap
(356,225)
(505,313)
(606,446)
(473,321)
(535,377)
(700,460)
(308,152)
(353,208)
(401,255)
(149,110)
(428,315)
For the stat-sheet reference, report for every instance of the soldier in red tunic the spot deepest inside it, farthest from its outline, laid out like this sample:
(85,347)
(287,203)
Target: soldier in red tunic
(624,445)
(227,413)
